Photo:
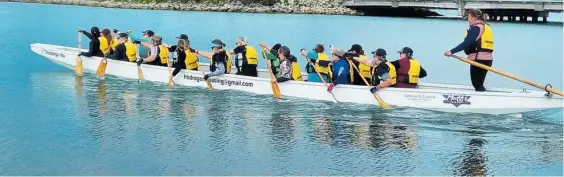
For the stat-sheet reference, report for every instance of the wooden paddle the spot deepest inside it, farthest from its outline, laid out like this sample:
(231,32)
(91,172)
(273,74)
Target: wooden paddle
(139,71)
(210,86)
(101,71)
(275,90)
(558,92)
(321,77)
(378,99)
(170,82)
(78,67)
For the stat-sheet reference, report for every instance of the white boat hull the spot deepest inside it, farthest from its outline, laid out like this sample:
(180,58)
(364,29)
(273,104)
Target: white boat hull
(438,97)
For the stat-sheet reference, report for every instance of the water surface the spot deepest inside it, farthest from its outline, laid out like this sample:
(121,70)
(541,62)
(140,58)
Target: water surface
(55,124)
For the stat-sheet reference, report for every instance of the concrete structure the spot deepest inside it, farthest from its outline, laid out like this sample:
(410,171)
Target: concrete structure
(496,9)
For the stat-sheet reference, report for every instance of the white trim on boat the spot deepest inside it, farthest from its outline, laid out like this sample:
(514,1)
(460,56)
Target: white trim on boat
(438,97)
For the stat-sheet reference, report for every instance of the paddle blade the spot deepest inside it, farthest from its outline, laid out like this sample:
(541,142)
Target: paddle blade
(276,90)
(209,85)
(381,102)
(140,73)
(101,71)
(78,67)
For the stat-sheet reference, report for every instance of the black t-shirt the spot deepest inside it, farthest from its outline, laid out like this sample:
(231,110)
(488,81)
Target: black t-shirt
(220,57)
(120,53)
(380,73)
(242,50)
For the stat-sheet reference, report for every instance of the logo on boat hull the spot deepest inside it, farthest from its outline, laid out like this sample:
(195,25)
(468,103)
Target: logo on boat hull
(54,54)
(456,100)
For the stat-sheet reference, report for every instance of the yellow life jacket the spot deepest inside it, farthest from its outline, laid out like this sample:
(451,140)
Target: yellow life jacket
(392,73)
(113,44)
(104,46)
(414,69)
(163,54)
(228,63)
(322,69)
(364,69)
(296,73)
(130,51)
(486,40)
(191,60)
(252,55)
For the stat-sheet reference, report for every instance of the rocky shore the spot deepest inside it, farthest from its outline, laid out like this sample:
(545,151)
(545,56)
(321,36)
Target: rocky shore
(329,7)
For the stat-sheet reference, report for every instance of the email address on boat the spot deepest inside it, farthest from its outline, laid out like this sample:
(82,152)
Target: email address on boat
(220,81)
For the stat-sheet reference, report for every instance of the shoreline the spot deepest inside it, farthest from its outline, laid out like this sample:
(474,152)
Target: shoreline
(324,7)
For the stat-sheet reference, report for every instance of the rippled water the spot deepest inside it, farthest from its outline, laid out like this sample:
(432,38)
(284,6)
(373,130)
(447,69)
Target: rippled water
(52,123)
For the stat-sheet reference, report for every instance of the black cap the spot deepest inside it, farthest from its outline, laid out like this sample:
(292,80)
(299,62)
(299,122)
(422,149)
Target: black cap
(183,36)
(406,50)
(123,35)
(356,47)
(149,32)
(379,52)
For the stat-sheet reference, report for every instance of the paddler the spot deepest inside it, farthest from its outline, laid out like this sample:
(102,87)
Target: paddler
(185,55)
(107,42)
(248,56)
(158,55)
(147,35)
(289,69)
(478,46)
(356,51)
(321,61)
(408,69)
(383,72)
(125,50)
(94,45)
(272,56)
(340,68)
(218,59)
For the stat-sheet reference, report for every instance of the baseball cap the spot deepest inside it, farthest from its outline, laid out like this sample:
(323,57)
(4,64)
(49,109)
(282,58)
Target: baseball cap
(157,37)
(149,32)
(406,50)
(123,35)
(338,51)
(242,39)
(356,47)
(183,36)
(217,43)
(106,31)
(379,52)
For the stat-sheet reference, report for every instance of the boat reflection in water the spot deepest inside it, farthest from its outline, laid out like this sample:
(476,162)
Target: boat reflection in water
(373,134)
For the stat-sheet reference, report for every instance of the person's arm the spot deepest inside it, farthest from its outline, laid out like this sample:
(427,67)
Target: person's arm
(147,45)
(339,74)
(204,54)
(153,55)
(87,34)
(422,72)
(384,73)
(363,61)
(270,56)
(471,37)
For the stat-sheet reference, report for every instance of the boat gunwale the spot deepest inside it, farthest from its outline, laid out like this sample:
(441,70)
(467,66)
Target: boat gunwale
(441,88)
